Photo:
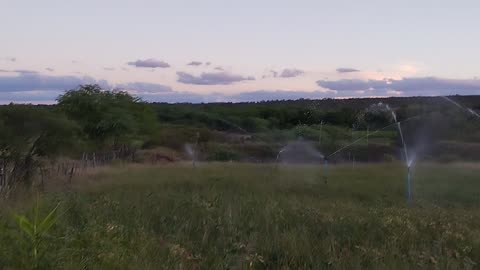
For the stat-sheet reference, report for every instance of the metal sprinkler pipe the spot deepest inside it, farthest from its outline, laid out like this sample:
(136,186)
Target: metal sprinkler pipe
(325,170)
(409,185)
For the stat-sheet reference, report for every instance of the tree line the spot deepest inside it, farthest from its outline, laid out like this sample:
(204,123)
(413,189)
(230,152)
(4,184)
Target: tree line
(90,119)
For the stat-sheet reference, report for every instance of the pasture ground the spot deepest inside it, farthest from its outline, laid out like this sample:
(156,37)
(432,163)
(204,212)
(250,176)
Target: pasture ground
(259,216)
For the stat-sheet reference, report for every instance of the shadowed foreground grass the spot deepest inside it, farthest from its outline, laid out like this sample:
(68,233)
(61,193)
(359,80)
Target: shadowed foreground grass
(240,216)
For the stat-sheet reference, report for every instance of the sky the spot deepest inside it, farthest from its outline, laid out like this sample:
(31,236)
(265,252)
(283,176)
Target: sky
(234,51)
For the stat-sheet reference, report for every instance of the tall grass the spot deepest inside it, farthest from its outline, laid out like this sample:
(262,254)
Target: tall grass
(242,216)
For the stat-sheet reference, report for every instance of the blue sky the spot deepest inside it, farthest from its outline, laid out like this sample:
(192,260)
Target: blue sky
(201,51)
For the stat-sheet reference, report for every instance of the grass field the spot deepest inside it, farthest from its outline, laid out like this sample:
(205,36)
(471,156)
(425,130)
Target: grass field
(241,216)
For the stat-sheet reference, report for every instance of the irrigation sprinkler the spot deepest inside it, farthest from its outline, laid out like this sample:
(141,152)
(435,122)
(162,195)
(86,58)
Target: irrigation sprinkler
(407,161)
(409,185)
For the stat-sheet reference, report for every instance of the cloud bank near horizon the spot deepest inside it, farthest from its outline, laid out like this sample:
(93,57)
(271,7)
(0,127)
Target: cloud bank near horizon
(31,86)
(415,86)
(27,80)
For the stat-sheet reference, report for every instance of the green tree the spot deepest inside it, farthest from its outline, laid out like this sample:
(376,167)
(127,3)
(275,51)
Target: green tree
(108,118)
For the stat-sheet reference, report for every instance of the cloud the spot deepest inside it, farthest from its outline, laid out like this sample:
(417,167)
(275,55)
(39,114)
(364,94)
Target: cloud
(160,93)
(25,71)
(144,87)
(291,72)
(20,71)
(36,97)
(347,70)
(49,69)
(219,68)
(38,88)
(408,86)
(29,86)
(24,82)
(218,78)
(349,85)
(149,63)
(195,63)
(208,63)
(109,68)
(274,73)
(285,73)
(10,59)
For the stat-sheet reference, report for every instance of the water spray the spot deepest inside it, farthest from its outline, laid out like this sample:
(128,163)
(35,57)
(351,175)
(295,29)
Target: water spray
(373,133)
(469,110)
(407,162)
(278,156)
